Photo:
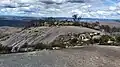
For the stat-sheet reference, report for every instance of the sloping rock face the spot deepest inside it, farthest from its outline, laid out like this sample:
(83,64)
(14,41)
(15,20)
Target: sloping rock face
(35,35)
(26,36)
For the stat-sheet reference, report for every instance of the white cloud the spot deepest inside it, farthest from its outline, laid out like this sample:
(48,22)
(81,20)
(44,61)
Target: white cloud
(112,8)
(86,8)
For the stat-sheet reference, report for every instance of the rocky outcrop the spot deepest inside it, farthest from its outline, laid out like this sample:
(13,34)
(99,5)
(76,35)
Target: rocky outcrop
(45,35)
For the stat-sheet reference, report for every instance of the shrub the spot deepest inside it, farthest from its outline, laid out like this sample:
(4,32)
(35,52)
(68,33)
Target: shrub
(41,46)
(95,41)
(58,44)
(118,38)
(72,41)
(4,49)
(104,39)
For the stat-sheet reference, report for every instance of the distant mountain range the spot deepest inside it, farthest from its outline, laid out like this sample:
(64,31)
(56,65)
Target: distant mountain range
(20,20)
(35,18)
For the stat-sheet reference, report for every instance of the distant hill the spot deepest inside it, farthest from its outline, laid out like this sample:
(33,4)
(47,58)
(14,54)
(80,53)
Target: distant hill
(13,23)
(19,21)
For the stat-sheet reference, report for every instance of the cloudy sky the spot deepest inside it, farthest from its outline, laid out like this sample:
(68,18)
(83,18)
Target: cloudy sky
(61,8)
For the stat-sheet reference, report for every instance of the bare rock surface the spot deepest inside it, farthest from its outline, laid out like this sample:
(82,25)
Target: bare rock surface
(87,56)
(9,30)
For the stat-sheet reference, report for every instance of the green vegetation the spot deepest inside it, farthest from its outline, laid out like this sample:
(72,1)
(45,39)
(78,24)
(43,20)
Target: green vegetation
(75,17)
(118,39)
(105,39)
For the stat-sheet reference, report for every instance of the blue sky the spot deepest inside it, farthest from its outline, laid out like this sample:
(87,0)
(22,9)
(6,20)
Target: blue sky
(61,8)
